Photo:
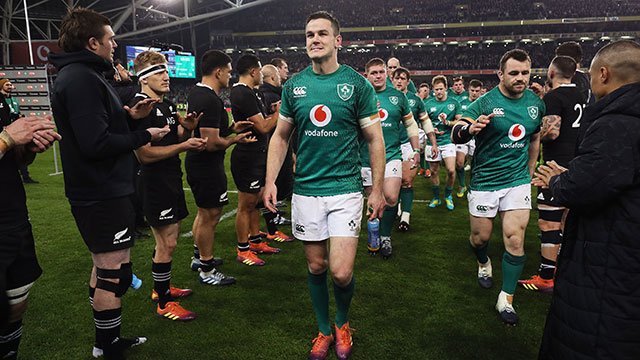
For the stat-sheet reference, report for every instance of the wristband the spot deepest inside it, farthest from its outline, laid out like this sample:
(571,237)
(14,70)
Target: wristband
(416,151)
(8,140)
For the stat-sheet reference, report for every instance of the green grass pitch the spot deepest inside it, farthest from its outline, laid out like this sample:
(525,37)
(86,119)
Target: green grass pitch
(423,303)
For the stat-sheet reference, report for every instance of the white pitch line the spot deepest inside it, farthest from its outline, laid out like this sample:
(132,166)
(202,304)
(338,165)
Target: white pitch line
(230,191)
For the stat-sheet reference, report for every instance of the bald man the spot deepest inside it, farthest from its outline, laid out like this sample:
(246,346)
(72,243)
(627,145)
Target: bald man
(595,311)
(392,64)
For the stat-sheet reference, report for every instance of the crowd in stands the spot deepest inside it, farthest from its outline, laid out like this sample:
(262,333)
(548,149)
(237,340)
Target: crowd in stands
(286,14)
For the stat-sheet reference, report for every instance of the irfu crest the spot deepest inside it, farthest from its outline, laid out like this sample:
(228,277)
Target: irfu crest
(345,91)
(393,100)
(533,112)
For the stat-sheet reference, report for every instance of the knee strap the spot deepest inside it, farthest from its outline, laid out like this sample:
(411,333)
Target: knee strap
(124,275)
(550,215)
(553,237)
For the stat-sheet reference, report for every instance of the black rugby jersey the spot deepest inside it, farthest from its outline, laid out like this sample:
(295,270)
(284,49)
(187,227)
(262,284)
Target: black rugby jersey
(244,104)
(566,101)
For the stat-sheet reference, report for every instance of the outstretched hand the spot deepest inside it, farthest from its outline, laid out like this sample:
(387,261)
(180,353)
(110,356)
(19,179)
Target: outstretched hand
(480,123)
(189,121)
(545,172)
(142,108)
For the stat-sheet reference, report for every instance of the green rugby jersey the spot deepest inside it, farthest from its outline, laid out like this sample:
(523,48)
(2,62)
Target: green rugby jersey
(501,156)
(411,88)
(326,109)
(417,108)
(450,108)
(458,97)
(393,106)
(464,104)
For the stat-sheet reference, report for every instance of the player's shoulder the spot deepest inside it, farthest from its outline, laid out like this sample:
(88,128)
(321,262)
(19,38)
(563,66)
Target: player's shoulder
(138,97)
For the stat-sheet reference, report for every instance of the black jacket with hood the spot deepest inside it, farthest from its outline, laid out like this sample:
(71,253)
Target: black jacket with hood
(96,146)
(595,311)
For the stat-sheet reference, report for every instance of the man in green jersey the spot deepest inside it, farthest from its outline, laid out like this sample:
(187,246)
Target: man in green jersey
(456,91)
(462,150)
(392,65)
(506,124)
(395,117)
(331,106)
(443,112)
(424,91)
(401,78)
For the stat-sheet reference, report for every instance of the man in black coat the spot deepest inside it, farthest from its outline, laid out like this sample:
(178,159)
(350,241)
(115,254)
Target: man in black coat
(595,311)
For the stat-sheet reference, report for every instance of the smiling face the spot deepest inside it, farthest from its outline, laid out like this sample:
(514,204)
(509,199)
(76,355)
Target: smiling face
(515,77)
(322,43)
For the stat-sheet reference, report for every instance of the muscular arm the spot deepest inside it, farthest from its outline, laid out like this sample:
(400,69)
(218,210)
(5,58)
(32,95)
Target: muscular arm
(377,156)
(262,125)
(214,141)
(149,154)
(534,151)
(550,129)
(278,146)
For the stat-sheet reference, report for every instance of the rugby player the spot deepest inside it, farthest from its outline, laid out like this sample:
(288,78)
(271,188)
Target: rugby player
(331,106)
(444,112)
(574,50)
(283,68)
(506,124)
(558,134)
(401,79)
(205,169)
(462,150)
(19,269)
(395,117)
(424,91)
(249,160)
(457,91)
(162,196)
(97,159)
(392,65)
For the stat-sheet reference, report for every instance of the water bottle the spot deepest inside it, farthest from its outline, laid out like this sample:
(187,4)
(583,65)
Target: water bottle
(374,235)
(136,282)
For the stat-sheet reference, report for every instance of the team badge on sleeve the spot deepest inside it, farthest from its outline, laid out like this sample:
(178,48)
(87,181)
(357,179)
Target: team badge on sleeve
(533,112)
(345,91)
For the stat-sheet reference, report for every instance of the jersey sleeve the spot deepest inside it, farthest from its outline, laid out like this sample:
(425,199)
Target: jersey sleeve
(406,108)
(286,107)
(244,100)
(543,112)
(553,104)
(210,114)
(412,87)
(474,110)
(458,110)
(367,105)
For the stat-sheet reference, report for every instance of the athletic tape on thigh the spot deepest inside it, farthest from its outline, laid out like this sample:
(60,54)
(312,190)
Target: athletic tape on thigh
(553,237)
(124,275)
(550,215)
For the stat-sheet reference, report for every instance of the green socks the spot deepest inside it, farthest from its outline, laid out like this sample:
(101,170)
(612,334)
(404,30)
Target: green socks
(481,252)
(511,270)
(406,199)
(436,190)
(388,218)
(319,291)
(460,176)
(343,301)
(447,192)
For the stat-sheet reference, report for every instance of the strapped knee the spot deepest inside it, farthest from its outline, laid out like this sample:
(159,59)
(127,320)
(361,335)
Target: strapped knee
(550,215)
(551,238)
(124,275)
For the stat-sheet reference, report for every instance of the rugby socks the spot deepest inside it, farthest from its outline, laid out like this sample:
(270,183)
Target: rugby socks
(92,293)
(460,175)
(107,324)
(196,252)
(161,282)
(269,217)
(447,192)
(436,190)
(243,246)
(256,239)
(511,270)
(319,291)
(406,199)
(482,253)
(388,218)
(343,297)
(547,268)
(10,340)
(207,265)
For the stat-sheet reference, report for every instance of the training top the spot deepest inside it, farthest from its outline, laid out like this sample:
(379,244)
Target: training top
(328,111)
(450,108)
(501,156)
(417,107)
(392,107)
(566,101)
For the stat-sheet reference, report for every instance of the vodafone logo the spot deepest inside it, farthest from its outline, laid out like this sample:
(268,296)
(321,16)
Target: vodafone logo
(320,115)
(384,114)
(516,132)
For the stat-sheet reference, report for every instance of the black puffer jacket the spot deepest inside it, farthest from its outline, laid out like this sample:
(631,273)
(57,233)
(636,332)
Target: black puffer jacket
(595,311)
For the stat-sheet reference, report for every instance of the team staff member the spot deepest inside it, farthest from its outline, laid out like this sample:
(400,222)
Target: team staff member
(560,128)
(162,195)
(249,160)
(506,124)
(19,268)
(205,169)
(97,159)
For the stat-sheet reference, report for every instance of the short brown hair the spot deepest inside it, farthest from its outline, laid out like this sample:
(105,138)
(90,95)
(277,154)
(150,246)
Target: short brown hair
(565,65)
(327,16)
(278,62)
(373,62)
(401,70)
(474,83)
(424,85)
(457,78)
(439,79)
(80,25)
(571,49)
(146,58)
(515,54)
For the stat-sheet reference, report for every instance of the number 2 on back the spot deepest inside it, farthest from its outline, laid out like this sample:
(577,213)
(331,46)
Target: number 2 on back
(580,108)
